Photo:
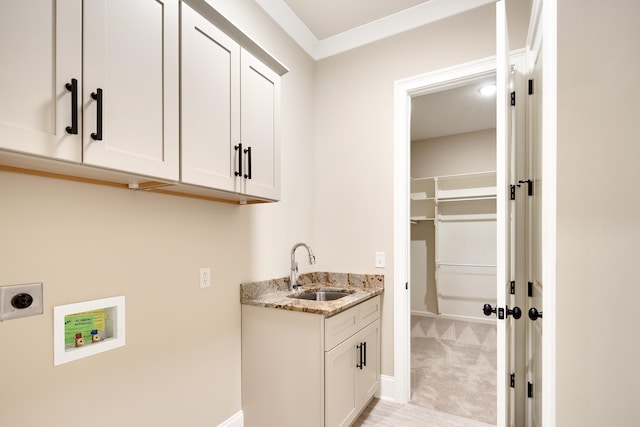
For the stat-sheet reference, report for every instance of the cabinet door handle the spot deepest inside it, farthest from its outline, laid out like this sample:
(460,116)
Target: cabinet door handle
(97,96)
(238,148)
(359,365)
(364,360)
(248,153)
(73,88)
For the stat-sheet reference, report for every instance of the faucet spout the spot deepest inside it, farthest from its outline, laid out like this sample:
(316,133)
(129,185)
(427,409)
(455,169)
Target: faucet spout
(293,279)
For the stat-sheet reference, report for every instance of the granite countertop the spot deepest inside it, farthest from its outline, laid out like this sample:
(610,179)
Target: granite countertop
(274,293)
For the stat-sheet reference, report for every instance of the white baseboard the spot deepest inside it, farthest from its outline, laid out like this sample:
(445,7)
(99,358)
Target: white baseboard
(487,320)
(387,388)
(236,420)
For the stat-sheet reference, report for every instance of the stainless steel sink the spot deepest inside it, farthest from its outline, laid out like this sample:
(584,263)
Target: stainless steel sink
(321,295)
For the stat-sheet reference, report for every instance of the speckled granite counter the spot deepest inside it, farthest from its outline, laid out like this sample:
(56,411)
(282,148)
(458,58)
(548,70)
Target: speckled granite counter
(274,293)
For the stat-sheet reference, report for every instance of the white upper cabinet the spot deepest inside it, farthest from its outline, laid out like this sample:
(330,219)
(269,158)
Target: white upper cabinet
(56,54)
(41,51)
(130,90)
(139,91)
(210,97)
(229,113)
(260,119)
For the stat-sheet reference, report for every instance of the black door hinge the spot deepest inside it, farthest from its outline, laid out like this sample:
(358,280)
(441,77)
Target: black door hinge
(512,381)
(530,289)
(529,389)
(406,285)
(530,87)
(513,287)
(513,98)
(513,191)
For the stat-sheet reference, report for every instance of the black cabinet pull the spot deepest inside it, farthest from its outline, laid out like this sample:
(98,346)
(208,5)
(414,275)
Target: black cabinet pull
(238,148)
(248,153)
(73,88)
(97,96)
(364,360)
(359,365)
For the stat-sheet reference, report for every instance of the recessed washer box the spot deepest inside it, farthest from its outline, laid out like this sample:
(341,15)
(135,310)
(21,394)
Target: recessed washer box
(87,328)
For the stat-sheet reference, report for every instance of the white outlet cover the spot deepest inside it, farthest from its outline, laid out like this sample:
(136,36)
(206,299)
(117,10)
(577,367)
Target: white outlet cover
(380,259)
(205,277)
(8,311)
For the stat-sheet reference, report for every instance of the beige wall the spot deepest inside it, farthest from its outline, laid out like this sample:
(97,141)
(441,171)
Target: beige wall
(454,154)
(354,138)
(598,348)
(448,155)
(181,363)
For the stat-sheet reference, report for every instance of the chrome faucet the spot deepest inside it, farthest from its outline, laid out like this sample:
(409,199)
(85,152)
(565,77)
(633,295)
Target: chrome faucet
(293,279)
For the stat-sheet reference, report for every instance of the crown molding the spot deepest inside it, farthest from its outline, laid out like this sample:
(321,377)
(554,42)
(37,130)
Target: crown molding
(408,19)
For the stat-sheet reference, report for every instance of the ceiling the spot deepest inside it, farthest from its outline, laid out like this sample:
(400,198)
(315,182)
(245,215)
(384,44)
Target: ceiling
(325,28)
(449,112)
(329,27)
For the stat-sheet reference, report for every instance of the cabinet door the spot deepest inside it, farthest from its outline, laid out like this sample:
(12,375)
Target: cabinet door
(131,54)
(340,384)
(260,132)
(368,378)
(210,104)
(41,51)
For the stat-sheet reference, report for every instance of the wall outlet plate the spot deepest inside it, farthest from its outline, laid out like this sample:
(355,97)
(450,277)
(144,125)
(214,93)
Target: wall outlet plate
(205,277)
(20,301)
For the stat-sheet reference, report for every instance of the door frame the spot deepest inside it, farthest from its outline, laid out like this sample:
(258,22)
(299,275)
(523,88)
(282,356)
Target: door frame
(404,90)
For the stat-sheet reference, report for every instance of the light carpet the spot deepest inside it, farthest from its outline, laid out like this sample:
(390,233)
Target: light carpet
(453,367)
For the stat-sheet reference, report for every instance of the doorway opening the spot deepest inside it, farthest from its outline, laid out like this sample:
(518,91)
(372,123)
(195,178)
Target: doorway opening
(453,249)
(406,90)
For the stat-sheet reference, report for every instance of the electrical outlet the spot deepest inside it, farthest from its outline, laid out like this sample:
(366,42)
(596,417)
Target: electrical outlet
(20,300)
(205,277)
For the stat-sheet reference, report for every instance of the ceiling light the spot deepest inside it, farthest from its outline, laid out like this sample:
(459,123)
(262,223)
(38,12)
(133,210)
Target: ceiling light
(487,90)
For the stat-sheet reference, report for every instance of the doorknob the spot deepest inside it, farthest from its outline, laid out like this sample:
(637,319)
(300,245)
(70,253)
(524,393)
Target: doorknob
(516,312)
(487,309)
(534,314)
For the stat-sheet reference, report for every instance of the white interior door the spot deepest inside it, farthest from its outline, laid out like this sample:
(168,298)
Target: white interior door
(534,241)
(505,326)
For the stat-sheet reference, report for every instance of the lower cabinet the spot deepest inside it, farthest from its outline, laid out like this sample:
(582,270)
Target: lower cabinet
(352,375)
(302,369)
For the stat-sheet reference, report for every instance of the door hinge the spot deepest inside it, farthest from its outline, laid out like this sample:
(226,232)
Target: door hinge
(529,186)
(512,381)
(513,98)
(513,191)
(530,289)
(513,287)
(406,285)
(529,389)
(530,86)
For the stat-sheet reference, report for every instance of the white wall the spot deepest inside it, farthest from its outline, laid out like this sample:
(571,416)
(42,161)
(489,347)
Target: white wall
(181,364)
(598,209)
